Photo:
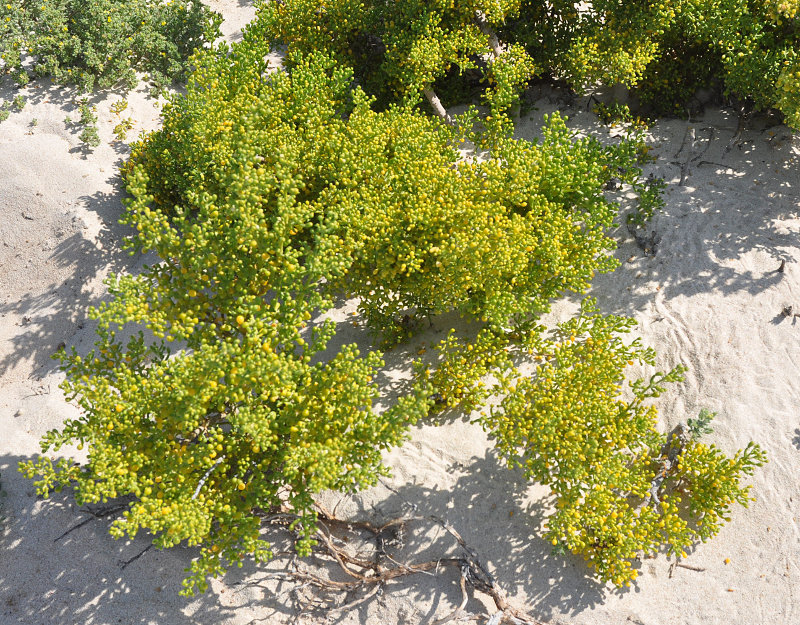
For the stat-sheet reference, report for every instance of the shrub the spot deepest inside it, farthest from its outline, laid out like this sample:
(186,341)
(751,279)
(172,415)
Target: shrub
(100,43)
(620,486)
(401,49)
(266,195)
(667,50)
(240,418)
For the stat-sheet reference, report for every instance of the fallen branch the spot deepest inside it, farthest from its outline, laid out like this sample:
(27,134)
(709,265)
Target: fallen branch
(699,569)
(384,568)
(136,557)
(692,156)
(367,574)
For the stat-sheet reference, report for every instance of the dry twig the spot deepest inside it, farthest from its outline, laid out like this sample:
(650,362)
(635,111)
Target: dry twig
(370,575)
(671,450)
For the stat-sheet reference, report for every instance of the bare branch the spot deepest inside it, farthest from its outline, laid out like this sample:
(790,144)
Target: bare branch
(676,442)
(437,105)
(497,50)
(205,477)
(464,598)
(98,512)
(386,568)
(494,42)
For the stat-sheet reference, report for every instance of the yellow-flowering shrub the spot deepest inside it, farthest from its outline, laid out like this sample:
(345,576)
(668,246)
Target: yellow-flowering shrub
(621,487)
(666,49)
(399,49)
(266,195)
(669,48)
(240,417)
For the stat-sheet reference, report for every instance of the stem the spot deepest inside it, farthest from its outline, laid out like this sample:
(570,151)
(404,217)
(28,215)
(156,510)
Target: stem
(494,42)
(437,105)
(205,477)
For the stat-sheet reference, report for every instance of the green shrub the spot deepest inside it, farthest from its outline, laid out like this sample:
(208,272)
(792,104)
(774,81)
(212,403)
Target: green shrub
(241,419)
(666,49)
(122,128)
(620,486)
(100,43)
(401,49)
(267,195)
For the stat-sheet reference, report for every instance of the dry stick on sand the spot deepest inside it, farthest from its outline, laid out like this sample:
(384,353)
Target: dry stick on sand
(367,574)
(691,155)
(372,574)
(672,566)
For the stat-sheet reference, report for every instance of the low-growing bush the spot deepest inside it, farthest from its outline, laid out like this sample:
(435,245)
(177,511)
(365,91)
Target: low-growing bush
(621,487)
(669,49)
(665,50)
(268,194)
(400,50)
(101,43)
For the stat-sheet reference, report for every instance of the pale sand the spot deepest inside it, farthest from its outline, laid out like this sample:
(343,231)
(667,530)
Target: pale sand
(710,298)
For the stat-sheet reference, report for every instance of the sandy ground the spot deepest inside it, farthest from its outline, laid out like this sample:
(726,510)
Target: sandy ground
(710,297)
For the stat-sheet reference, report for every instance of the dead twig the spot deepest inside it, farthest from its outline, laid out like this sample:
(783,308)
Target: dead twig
(464,598)
(690,138)
(670,451)
(369,575)
(683,566)
(137,556)
(690,567)
(73,528)
(99,512)
(352,604)
(743,115)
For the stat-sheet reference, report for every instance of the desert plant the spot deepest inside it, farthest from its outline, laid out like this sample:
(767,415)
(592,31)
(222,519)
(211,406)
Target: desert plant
(256,219)
(119,106)
(669,49)
(122,128)
(666,50)
(100,43)
(620,486)
(268,194)
(401,50)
